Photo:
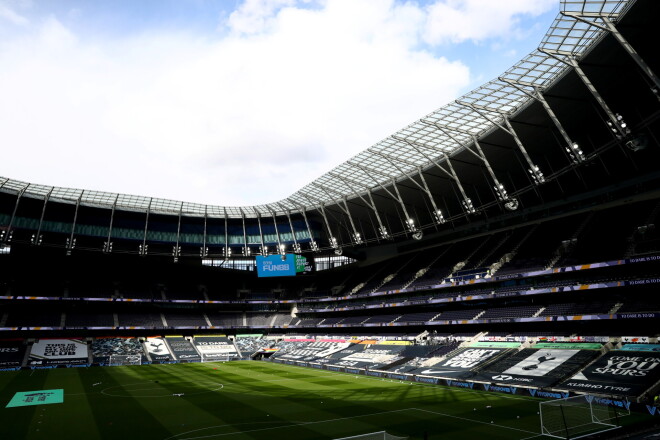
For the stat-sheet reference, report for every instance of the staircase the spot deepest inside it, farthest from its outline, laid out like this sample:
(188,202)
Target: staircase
(566,247)
(509,255)
(492,250)
(616,307)
(423,271)
(535,315)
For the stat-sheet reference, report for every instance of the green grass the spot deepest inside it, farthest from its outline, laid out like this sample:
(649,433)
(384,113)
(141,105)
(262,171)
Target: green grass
(252,400)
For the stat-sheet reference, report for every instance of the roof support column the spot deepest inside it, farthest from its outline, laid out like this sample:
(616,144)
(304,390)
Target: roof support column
(313,245)
(382,230)
(615,122)
(107,245)
(37,238)
(226,250)
(264,249)
(176,252)
(71,241)
(246,248)
(296,245)
(437,214)
(204,250)
(6,236)
(357,237)
(281,247)
(572,148)
(466,202)
(534,170)
(144,247)
(609,26)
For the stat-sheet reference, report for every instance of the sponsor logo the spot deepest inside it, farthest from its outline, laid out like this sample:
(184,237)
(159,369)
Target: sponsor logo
(453,383)
(8,349)
(609,402)
(426,380)
(398,377)
(500,389)
(652,409)
(505,378)
(502,377)
(188,356)
(597,386)
(548,394)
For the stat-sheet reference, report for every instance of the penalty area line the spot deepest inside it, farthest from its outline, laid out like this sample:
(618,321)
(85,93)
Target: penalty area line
(474,421)
(178,436)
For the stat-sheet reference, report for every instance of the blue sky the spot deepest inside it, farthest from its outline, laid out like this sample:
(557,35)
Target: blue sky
(234,102)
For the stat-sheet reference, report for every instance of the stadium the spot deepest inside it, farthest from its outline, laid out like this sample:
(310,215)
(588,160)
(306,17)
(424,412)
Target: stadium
(488,270)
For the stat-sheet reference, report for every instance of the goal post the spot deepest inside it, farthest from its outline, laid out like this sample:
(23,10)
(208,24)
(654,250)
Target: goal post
(125,359)
(380,435)
(579,416)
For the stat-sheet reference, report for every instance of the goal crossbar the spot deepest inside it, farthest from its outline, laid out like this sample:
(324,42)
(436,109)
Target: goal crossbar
(379,435)
(578,416)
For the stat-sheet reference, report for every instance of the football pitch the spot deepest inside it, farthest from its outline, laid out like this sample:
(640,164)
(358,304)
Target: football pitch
(250,400)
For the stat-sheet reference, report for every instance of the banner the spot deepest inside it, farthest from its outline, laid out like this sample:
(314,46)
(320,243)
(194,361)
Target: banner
(372,357)
(635,339)
(537,368)
(182,349)
(618,372)
(103,348)
(58,352)
(494,344)
(215,348)
(11,353)
(541,363)
(641,347)
(274,266)
(459,365)
(158,350)
(570,346)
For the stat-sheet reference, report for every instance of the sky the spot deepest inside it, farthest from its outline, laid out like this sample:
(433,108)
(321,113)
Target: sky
(234,102)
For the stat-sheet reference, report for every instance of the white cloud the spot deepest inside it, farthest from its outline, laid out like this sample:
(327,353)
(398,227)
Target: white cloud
(290,91)
(8,14)
(456,21)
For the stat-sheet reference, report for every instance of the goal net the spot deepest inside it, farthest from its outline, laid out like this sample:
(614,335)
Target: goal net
(125,359)
(380,435)
(579,416)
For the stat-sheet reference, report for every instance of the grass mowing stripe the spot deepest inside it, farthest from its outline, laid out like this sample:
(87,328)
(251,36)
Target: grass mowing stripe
(263,400)
(313,397)
(471,420)
(15,422)
(243,408)
(50,418)
(522,407)
(113,414)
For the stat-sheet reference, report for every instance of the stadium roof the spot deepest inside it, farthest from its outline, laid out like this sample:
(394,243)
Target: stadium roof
(425,143)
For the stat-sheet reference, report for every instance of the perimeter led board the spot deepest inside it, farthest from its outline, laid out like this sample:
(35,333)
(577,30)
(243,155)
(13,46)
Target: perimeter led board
(275,266)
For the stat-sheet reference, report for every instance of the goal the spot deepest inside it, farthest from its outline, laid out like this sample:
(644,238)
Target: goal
(380,435)
(579,416)
(125,359)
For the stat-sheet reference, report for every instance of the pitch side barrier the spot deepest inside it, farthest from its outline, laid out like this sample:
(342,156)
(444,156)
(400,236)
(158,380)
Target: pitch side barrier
(541,393)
